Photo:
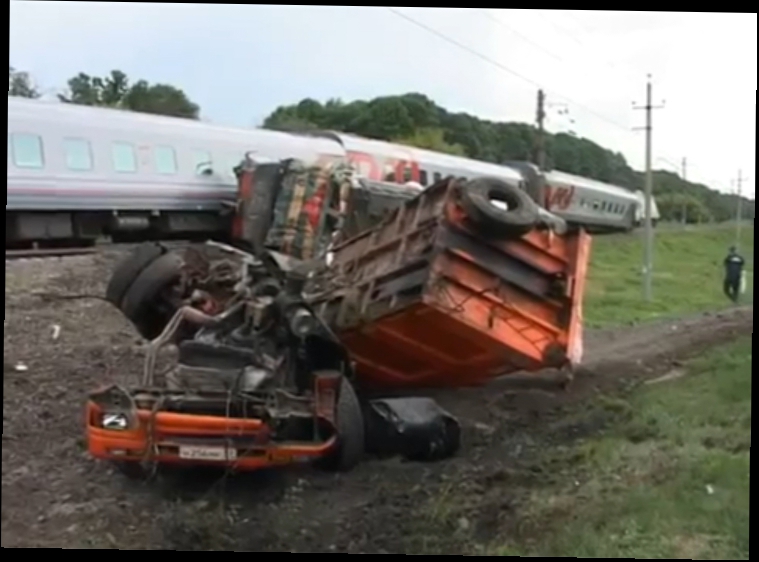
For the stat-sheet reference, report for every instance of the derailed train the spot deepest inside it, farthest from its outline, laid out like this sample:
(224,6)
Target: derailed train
(77,173)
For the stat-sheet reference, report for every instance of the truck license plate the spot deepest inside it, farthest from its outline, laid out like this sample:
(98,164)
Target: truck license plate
(191,452)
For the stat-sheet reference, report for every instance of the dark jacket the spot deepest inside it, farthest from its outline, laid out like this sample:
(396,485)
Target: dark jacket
(733,266)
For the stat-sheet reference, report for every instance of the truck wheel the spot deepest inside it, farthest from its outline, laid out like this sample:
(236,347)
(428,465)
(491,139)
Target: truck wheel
(128,270)
(350,432)
(146,303)
(478,197)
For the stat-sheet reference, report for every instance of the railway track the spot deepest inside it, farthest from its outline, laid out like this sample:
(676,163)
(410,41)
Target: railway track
(102,245)
(106,244)
(47,252)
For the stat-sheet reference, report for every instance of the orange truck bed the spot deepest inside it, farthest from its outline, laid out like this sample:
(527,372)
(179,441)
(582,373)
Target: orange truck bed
(423,299)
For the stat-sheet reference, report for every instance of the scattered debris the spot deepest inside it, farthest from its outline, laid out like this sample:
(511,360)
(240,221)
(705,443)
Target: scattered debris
(672,375)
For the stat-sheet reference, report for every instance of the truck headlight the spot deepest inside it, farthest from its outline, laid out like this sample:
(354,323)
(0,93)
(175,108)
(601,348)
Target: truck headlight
(118,422)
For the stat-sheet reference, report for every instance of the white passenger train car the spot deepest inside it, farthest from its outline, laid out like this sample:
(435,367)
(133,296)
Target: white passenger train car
(78,172)
(595,205)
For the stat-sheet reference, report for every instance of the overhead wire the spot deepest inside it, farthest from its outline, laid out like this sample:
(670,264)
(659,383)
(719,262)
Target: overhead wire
(502,67)
(623,68)
(537,45)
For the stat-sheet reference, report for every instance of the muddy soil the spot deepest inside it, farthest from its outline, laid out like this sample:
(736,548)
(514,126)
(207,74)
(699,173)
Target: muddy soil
(57,349)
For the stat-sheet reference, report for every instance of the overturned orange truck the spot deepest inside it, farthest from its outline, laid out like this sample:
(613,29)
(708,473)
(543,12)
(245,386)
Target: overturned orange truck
(333,295)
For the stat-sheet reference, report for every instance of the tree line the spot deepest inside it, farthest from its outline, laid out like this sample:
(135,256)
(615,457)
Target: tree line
(413,119)
(416,120)
(114,90)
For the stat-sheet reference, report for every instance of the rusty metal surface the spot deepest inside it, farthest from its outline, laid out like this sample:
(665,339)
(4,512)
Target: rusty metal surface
(423,299)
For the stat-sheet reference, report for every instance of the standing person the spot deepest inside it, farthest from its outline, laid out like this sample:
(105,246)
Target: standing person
(733,271)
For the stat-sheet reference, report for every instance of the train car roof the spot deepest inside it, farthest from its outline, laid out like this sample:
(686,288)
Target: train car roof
(41,110)
(393,150)
(579,181)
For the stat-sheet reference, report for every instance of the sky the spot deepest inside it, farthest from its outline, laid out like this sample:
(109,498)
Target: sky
(239,62)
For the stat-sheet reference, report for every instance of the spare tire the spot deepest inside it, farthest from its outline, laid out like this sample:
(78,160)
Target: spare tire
(520,216)
(145,303)
(128,270)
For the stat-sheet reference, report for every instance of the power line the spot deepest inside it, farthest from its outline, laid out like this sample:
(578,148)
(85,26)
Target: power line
(462,46)
(500,66)
(738,211)
(629,70)
(562,29)
(515,73)
(520,35)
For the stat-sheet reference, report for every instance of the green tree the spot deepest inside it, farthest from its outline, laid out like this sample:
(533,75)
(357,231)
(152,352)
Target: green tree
(115,91)
(681,207)
(20,84)
(431,139)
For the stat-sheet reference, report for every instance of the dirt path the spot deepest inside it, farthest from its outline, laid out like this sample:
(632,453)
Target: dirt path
(55,496)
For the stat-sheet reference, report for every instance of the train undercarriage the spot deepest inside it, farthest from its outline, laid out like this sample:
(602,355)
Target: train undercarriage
(73,229)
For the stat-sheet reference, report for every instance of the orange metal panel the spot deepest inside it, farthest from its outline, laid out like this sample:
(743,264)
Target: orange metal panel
(423,299)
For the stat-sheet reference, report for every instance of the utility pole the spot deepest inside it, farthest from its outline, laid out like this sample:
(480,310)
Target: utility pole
(649,245)
(685,206)
(738,210)
(540,198)
(541,140)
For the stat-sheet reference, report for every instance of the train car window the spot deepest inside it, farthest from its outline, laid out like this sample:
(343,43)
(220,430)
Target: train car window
(423,177)
(202,162)
(407,174)
(596,205)
(78,155)
(124,158)
(437,176)
(165,160)
(27,151)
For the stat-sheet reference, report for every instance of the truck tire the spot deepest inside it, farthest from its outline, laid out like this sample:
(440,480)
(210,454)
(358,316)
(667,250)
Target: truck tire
(128,270)
(518,219)
(144,303)
(350,432)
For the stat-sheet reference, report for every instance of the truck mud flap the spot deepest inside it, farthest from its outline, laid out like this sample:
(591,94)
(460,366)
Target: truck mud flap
(415,428)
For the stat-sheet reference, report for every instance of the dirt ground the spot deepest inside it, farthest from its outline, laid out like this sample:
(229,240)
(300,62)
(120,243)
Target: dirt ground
(54,495)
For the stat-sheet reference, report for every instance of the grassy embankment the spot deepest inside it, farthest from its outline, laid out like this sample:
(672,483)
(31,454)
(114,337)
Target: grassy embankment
(669,479)
(669,476)
(687,274)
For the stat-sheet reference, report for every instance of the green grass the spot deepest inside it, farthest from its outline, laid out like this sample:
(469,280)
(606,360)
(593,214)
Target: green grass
(687,274)
(669,480)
